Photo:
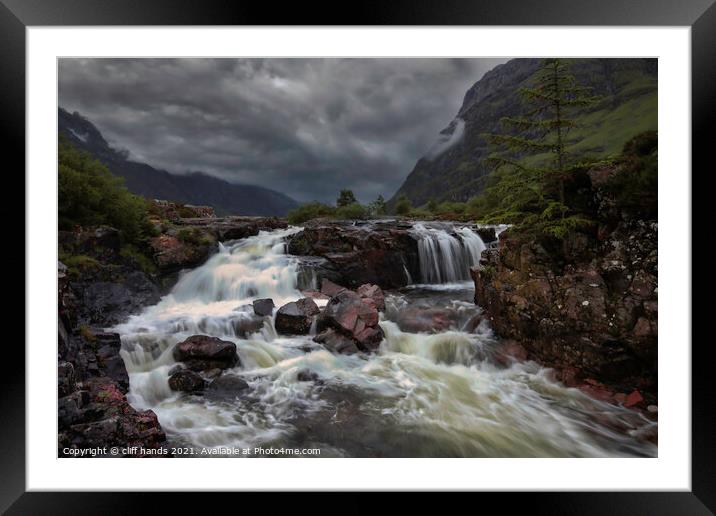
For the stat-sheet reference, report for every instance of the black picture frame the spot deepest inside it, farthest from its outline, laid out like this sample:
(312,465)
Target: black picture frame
(17,15)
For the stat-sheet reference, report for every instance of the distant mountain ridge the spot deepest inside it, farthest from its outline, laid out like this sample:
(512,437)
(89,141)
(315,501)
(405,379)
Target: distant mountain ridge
(195,188)
(453,169)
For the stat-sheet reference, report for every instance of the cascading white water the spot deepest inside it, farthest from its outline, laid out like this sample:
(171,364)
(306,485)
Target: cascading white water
(421,394)
(444,257)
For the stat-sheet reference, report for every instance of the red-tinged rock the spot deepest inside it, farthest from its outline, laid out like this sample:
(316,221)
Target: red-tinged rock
(633,399)
(569,376)
(509,351)
(330,289)
(596,390)
(620,398)
(351,316)
(372,294)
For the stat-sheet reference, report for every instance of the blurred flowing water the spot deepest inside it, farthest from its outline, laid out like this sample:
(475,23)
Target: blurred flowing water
(423,394)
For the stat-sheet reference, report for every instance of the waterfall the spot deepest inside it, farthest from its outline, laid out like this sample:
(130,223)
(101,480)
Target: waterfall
(422,393)
(447,257)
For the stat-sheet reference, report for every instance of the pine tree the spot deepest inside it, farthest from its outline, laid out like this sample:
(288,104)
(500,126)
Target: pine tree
(346,198)
(553,97)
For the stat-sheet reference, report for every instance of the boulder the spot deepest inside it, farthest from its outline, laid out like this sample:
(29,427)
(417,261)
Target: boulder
(296,318)
(426,320)
(186,381)
(336,342)
(247,324)
(228,384)
(586,305)
(349,315)
(201,352)
(384,254)
(100,417)
(373,295)
(263,307)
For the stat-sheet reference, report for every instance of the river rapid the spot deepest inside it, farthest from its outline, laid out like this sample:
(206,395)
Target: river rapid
(422,394)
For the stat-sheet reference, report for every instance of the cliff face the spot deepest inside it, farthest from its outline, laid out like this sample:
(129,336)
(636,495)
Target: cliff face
(453,169)
(196,188)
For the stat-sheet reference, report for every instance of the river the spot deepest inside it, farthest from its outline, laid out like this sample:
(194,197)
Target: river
(422,394)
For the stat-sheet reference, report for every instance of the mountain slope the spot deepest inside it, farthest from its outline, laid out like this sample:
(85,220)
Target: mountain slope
(196,188)
(453,169)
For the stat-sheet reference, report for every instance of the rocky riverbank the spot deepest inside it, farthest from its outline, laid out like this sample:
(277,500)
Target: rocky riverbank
(103,283)
(587,307)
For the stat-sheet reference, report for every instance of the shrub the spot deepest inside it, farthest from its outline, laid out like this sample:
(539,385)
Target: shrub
(140,259)
(90,195)
(403,205)
(352,211)
(194,236)
(312,210)
(78,263)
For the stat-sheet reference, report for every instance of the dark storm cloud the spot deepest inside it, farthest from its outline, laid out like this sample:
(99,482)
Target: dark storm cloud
(305,127)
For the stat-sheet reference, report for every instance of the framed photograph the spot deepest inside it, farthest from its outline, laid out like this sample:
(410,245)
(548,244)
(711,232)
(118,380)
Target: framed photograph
(421,248)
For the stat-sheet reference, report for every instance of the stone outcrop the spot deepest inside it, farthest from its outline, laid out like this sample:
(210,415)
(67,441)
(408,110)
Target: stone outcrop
(204,353)
(92,383)
(383,253)
(234,228)
(104,285)
(296,318)
(589,310)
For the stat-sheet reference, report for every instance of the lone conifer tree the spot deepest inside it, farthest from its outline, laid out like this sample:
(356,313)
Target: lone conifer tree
(553,97)
(346,198)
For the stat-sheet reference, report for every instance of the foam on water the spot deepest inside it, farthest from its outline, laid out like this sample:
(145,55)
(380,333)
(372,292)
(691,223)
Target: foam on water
(420,394)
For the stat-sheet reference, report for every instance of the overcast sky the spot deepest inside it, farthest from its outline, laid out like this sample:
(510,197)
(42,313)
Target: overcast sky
(305,127)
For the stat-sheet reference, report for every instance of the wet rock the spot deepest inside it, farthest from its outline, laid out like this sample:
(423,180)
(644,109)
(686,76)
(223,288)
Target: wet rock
(472,324)
(426,320)
(109,360)
(227,386)
(486,234)
(336,342)
(330,289)
(349,315)
(245,326)
(296,318)
(201,352)
(172,253)
(509,351)
(383,254)
(263,307)
(373,295)
(587,304)
(306,375)
(104,418)
(105,303)
(186,381)
(176,368)
(633,399)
